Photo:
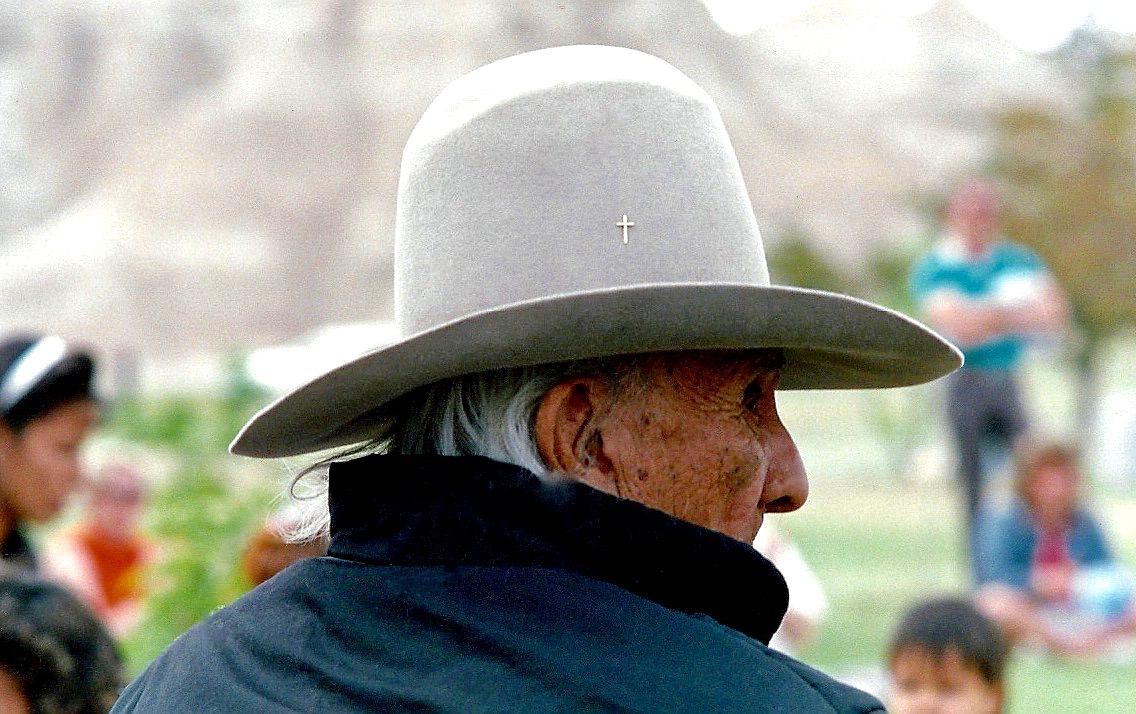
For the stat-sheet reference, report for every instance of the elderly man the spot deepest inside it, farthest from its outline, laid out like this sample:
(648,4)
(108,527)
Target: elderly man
(548,487)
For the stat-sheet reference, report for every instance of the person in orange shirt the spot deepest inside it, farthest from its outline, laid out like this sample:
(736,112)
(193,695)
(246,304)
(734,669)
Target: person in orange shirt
(55,654)
(103,557)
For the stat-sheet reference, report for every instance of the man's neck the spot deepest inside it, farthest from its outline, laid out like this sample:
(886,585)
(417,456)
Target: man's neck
(972,249)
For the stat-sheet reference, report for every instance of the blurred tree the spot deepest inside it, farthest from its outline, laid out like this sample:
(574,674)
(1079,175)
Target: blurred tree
(202,524)
(795,259)
(888,269)
(1070,189)
(201,515)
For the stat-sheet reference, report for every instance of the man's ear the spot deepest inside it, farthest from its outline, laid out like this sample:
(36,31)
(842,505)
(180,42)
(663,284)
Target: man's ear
(567,431)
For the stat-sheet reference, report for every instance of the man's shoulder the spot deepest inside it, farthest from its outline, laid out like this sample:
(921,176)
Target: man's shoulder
(246,656)
(946,254)
(843,697)
(503,638)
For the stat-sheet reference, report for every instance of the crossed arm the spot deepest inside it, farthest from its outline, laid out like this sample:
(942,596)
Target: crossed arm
(970,322)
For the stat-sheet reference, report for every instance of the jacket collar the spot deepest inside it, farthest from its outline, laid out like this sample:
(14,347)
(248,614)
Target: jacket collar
(471,511)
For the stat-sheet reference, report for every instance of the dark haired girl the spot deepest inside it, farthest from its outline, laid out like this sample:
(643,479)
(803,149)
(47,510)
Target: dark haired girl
(47,409)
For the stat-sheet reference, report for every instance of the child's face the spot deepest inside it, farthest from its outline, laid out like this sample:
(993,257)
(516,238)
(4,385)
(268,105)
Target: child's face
(923,684)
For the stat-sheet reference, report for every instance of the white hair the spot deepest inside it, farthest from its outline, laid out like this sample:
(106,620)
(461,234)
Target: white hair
(487,414)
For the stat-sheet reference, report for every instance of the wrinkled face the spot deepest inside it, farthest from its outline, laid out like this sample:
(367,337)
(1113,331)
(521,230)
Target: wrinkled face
(923,684)
(701,440)
(39,466)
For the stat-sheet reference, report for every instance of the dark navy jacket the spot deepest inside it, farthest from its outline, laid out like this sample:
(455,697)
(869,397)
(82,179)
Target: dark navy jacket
(465,585)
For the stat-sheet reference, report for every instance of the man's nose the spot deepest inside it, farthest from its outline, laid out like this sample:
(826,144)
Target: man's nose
(787,483)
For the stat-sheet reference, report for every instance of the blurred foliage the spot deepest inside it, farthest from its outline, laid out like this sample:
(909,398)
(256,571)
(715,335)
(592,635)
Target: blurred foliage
(197,426)
(201,516)
(1070,185)
(202,525)
(795,260)
(888,271)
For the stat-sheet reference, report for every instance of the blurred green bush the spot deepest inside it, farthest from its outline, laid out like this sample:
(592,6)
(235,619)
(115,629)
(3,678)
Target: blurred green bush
(201,514)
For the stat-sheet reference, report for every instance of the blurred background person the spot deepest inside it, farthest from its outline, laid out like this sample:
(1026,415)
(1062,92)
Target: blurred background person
(103,557)
(807,601)
(55,654)
(947,658)
(270,549)
(1049,577)
(989,296)
(47,410)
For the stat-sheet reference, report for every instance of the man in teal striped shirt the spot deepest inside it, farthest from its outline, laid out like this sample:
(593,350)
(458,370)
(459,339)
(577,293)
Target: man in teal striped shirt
(990,297)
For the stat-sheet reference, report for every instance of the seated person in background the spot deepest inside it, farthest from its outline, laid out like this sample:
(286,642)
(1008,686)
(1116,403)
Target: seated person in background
(103,557)
(1047,575)
(270,550)
(947,658)
(807,602)
(55,655)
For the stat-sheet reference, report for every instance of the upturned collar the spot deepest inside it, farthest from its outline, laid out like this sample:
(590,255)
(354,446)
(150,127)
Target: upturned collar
(472,511)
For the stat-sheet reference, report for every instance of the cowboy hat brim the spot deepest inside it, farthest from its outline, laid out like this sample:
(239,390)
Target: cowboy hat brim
(830,341)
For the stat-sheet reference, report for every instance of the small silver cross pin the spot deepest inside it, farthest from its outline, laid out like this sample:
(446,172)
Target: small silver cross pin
(624,224)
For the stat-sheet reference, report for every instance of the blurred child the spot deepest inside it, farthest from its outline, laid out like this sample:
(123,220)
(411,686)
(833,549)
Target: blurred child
(103,557)
(947,658)
(48,408)
(55,655)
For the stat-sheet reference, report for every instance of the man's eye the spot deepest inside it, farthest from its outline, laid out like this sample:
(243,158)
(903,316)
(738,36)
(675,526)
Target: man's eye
(751,398)
(758,395)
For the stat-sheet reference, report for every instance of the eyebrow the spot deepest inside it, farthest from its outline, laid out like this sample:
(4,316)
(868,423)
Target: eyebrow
(769,358)
(760,361)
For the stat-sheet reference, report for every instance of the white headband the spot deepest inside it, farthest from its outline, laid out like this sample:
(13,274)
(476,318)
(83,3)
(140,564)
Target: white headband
(28,369)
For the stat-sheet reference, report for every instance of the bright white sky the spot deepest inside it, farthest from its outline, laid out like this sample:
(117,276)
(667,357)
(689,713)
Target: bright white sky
(1034,25)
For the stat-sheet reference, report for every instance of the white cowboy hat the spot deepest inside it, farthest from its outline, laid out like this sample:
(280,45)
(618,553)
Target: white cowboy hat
(579,202)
